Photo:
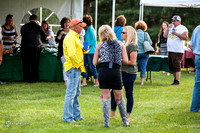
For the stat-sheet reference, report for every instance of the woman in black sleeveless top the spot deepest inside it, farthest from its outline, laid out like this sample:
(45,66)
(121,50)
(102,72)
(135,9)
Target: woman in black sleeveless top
(110,54)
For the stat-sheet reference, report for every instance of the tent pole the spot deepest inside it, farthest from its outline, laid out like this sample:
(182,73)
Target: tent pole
(142,11)
(71,15)
(140,14)
(113,14)
(96,11)
(40,14)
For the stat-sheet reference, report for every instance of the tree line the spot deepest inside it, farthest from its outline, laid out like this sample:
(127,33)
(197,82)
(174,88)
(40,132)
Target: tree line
(153,16)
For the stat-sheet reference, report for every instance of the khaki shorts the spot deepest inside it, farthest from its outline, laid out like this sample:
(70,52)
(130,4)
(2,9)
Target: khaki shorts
(174,61)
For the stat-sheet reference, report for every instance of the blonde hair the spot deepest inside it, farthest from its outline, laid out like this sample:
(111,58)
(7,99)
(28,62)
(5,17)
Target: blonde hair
(131,35)
(106,33)
(141,25)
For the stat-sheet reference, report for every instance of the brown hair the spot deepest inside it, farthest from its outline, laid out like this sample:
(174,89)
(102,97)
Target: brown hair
(161,28)
(120,21)
(140,25)
(9,16)
(45,22)
(87,19)
(64,20)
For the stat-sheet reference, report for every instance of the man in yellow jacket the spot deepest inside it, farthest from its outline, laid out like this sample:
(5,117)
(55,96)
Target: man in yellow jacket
(74,65)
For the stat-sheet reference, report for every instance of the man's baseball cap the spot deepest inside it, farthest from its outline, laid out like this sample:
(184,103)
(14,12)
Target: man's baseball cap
(76,22)
(176,18)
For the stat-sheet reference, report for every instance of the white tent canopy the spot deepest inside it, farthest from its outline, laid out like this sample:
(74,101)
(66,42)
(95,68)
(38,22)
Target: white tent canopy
(62,8)
(168,3)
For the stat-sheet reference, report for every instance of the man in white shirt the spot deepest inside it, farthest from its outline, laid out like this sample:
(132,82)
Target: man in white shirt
(176,35)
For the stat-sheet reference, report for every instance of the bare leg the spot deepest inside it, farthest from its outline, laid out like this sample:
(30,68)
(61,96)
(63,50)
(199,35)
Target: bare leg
(128,116)
(177,75)
(84,83)
(142,81)
(96,82)
(118,95)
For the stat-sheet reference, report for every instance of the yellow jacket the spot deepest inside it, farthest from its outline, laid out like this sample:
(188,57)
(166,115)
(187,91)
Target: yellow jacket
(72,50)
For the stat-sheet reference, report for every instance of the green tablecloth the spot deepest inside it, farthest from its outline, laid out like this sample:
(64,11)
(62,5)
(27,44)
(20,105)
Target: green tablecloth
(158,63)
(50,69)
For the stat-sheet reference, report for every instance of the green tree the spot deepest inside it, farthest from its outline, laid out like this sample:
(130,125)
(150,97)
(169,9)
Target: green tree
(153,16)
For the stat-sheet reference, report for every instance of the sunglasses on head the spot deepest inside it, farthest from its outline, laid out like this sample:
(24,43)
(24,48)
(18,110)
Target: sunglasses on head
(79,22)
(124,32)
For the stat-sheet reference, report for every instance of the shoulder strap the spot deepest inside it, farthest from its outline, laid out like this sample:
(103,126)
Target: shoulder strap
(144,36)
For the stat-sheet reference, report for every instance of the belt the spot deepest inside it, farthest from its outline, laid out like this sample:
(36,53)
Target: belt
(110,65)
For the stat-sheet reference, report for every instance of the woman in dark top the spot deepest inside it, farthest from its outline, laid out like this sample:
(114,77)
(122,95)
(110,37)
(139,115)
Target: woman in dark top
(110,54)
(129,71)
(59,39)
(162,41)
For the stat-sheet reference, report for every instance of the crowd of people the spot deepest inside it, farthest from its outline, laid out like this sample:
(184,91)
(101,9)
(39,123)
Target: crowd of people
(119,55)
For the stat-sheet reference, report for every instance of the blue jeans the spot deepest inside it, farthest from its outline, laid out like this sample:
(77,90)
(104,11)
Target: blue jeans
(142,60)
(71,110)
(128,82)
(195,106)
(88,61)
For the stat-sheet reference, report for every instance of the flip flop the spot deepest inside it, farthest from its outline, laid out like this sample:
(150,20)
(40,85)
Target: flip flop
(83,85)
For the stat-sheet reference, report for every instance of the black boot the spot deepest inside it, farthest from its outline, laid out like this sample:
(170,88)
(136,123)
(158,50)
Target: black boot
(176,82)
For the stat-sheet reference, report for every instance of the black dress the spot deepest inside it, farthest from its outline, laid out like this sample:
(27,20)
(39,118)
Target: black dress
(110,63)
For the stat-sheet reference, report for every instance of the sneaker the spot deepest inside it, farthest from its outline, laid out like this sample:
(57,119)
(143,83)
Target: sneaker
(2,83)
(81,119)
(72,121)
(176,82)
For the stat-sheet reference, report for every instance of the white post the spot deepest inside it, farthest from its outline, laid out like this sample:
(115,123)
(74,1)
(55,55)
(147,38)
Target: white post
(96,11)
(141,12)
(113,14)
(40,15)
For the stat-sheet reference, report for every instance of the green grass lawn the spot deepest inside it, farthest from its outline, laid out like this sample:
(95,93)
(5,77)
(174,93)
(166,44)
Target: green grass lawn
(158,107)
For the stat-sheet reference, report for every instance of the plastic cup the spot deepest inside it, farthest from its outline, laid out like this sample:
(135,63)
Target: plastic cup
(85,45)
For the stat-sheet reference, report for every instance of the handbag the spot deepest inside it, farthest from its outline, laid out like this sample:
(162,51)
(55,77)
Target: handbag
(148,49)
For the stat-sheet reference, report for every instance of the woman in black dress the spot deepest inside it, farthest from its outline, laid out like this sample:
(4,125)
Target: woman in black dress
(110,54)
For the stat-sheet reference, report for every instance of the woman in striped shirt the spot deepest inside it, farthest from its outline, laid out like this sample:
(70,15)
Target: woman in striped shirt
(9,32)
